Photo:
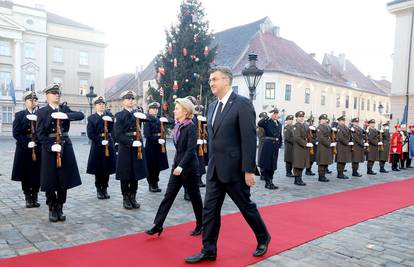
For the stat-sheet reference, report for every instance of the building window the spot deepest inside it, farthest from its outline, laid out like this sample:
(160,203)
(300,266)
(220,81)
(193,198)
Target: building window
(58,80)
(323,98)
(5,78)
(307,96)
(347,101)
(380,104)
(374,106)
(57,54)
(29,50)
(7,114)
(235,89)
(83,86)
(387,108)
(355,102)
(270,90)
(5,49)
(83,58)
(368,104)
(362,104)
(29,79)
(288,92)
(338,100)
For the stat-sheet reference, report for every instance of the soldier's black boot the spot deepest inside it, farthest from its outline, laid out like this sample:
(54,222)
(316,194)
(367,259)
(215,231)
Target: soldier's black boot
(29,202)
(105,193)
(298,181)
(127,202)
(371,172)
(153,188)
(134,203)
(53,217)
(383,170)
(341,175)
(322,178)
(270,185)
(328,171)
(59,211)
(309,172)
(289,170)
(35,203)
(356,173)
(186,196)
(99,193)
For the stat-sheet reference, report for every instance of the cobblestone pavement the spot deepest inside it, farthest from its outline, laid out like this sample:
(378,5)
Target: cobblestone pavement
(384,241)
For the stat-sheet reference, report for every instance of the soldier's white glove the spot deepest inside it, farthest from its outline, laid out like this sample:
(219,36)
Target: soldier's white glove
(394,150)
(352,129)
(334,129)
(104,142)
(163,119)
(161,141)
(333,144)
(200,141)
(381,131)
(380,143)
(201,118)
(350,143)
(312,128)
(140,115)
(309,145)
(31,117)
(107,118)
(59,115)
(136,143)
(205,141)
(366,144)
(56,148)
(31,144)
(317,143)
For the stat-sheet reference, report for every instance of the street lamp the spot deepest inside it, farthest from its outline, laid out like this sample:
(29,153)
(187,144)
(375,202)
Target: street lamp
(252,75)
(90,96)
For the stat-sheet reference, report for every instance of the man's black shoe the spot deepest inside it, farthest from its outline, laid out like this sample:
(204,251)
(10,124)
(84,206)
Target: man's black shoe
(201,257)
(261,248)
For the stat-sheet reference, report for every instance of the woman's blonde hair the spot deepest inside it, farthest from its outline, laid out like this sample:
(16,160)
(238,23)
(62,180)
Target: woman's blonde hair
(187,105)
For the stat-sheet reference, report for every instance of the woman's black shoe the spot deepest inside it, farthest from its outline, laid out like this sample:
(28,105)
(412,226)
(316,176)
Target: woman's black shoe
(154,230)
(197,231)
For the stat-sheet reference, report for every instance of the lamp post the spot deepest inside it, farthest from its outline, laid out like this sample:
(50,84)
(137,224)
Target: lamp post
(90,96)
(252,75)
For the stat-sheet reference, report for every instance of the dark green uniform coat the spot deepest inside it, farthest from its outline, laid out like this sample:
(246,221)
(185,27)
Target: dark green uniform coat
(301,159)
(343,137)
(373,139)
(324,152)
(358,139)
(288,138)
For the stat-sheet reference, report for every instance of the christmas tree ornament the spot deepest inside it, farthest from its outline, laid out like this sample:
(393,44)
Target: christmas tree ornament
(175,62)
(196,75)
(161,91)
(161,71)
(196,59)
(193,56)
(169,47)
(184,52)
(165,106)
(174,97)
(175,85)
(206,51)
(186,80)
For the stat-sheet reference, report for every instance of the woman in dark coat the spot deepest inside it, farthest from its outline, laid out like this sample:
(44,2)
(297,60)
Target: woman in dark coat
(102,157)
(26,164)
(184,169)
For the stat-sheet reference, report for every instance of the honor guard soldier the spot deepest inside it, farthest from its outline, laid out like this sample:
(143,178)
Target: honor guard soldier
(270,151)
(384,150)
(396,148)
(324,156)
(301,148)
(344,147)
(288,142)
(59,170)
(405,159)
(374,143)
(200,121)
(312,129)
(358,152)
(102,156)
(130,165)
(155,150)
(26,164)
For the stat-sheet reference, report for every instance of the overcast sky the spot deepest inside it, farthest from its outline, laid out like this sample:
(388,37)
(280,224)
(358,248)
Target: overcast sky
(363,30)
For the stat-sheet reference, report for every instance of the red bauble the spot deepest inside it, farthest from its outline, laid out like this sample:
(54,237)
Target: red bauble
(175,62)
(206,51)
(161,71)
(165,106)
(184,51)
(175,85)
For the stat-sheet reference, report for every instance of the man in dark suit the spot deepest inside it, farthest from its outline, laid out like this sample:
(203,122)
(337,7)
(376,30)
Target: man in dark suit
(231,167)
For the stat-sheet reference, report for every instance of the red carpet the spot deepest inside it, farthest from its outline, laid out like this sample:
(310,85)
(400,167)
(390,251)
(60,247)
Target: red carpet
(291,224)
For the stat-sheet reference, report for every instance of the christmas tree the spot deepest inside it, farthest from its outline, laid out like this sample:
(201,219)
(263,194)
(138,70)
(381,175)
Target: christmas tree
(182,67)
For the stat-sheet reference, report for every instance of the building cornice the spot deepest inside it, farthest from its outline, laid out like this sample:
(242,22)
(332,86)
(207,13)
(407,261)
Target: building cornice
(401,6)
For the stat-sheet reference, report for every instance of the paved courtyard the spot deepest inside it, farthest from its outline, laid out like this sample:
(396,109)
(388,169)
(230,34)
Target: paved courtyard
(384,241)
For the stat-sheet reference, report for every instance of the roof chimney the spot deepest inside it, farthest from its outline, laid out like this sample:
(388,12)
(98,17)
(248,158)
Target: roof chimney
(276,31)
(312,55)
(328,67)
(342,61)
